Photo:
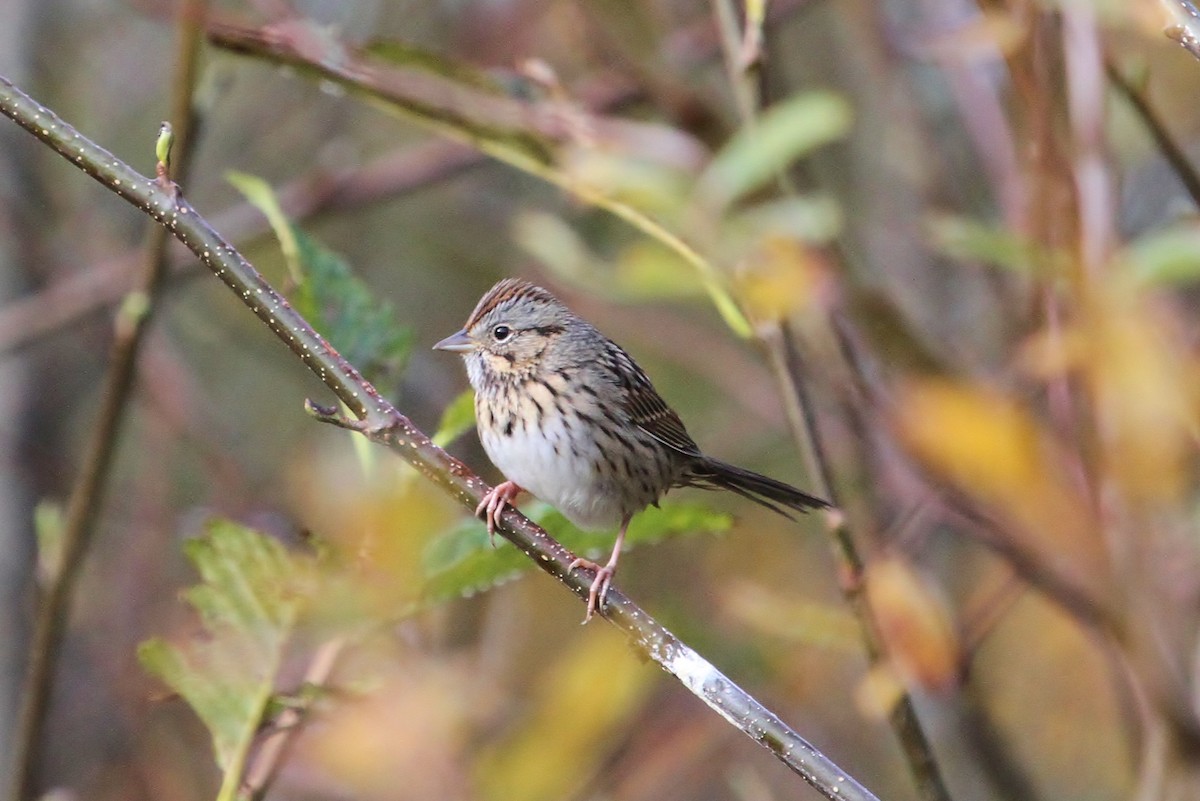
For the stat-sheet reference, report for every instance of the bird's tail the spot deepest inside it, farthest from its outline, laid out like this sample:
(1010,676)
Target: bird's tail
(775,495)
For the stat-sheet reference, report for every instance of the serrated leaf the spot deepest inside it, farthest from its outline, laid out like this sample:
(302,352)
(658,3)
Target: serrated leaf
(785,132)
(328,294)
(457,419)
(251,595)
(362,327)
(462,562)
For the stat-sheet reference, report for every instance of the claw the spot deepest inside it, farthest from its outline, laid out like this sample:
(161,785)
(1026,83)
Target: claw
(604,573)
(599,588)
(492,506)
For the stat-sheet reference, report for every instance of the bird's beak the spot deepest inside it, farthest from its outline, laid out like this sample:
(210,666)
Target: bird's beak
(459,342)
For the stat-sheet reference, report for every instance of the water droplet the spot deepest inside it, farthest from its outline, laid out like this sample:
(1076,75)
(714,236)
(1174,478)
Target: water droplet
(332,88)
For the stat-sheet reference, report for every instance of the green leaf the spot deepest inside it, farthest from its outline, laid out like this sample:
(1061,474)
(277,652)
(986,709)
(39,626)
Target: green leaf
(362,327)
(648,269)
(554,243)
(784,133)
(49,521)
(964,239)
(252,593)
(1171,256)
(457,419)
(462,562)
(328,294)
(260,195)
(813,219)
(507,128)
(632,179)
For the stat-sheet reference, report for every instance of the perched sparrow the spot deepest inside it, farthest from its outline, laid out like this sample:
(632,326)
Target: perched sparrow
(568,416)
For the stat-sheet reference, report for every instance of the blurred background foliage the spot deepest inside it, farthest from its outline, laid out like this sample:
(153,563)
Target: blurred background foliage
(961,226)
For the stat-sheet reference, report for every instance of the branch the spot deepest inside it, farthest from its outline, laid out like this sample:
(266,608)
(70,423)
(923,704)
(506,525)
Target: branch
(87,497)
(1170,149)
(278,744)
(536,137)
(1186,29)
(745,79)
(28,319)
(381,422)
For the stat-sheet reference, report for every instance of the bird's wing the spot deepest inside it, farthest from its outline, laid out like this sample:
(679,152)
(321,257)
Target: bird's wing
(646,408)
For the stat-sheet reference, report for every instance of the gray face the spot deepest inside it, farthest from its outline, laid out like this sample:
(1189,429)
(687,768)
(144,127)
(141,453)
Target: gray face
(519,328)
(515,335)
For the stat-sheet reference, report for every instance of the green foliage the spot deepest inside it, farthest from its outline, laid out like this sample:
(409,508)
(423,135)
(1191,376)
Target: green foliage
(784,133)
(162,145)
(252,593)
(48,525)
(970,240)
(262,197)
(328,294)
(1171,256)
(812,219)
(346,312)
(462,562)
(457,419)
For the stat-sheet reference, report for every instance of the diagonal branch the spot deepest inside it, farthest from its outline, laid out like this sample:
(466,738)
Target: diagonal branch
(381,422)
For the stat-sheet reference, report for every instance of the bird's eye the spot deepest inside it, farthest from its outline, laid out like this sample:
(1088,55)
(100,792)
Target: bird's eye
(501,333)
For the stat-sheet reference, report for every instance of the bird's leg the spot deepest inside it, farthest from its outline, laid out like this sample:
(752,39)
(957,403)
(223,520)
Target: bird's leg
(492,505)
(604,573)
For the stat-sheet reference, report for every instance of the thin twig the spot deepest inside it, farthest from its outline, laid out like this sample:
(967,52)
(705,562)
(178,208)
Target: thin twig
(1170,149)
(269,758)
(381,422)
(87,497)
(784,359)
(789,372)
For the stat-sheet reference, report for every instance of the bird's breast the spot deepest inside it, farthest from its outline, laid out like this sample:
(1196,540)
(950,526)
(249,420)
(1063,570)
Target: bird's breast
(551,444)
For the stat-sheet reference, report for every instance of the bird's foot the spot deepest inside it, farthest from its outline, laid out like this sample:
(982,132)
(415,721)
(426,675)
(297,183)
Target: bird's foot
(492,506)
(599,588)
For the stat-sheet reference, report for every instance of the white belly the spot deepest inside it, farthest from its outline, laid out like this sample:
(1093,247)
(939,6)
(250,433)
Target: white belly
(560,467)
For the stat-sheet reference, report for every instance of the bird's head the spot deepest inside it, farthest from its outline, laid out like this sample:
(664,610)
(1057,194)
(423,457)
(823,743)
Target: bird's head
(513,330)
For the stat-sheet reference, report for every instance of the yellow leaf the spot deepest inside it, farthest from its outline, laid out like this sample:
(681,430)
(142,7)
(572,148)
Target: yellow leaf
(920,639)
(991,448)
(781,277)
(1145,385)
(584,700)
(377,527)
(879,692)
(781,615)
(406,737)
(978,438)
